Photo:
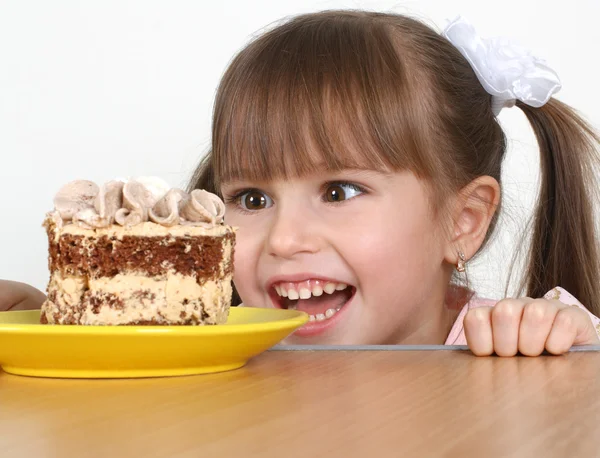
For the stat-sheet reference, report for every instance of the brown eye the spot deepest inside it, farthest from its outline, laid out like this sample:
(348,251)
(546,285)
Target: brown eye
(335,193)
(255,200)
(338,192)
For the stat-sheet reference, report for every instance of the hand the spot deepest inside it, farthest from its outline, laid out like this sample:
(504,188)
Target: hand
(528,326)
(19,296)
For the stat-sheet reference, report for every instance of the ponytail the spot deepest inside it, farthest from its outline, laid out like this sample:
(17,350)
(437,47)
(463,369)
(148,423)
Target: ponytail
(564,249)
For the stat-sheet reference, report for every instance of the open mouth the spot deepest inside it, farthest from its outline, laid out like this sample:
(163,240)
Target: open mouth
(320,299)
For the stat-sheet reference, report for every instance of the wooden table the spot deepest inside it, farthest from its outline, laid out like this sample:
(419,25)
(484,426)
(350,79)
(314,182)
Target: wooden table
(318,403)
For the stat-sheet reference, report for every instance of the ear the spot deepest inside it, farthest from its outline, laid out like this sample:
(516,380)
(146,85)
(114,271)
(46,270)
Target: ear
(472,213)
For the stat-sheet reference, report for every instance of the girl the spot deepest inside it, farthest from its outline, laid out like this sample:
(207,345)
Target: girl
(360,156)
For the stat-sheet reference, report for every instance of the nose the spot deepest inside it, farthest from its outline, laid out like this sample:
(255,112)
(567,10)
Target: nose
(293,231)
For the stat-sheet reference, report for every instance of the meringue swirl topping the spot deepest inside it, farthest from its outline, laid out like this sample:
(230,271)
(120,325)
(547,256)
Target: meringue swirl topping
(136,201)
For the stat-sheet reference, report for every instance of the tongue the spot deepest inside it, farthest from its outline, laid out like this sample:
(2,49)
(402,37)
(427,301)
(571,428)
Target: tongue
(315,305)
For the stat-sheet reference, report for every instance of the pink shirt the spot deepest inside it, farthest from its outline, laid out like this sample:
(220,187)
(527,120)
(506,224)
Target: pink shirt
(457,333)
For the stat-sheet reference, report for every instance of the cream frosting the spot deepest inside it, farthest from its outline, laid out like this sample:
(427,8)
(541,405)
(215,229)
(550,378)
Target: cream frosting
(133,202)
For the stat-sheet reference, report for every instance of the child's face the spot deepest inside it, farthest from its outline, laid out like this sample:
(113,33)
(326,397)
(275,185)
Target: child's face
(369,237)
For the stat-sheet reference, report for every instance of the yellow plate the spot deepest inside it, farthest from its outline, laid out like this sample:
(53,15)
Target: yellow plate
(30,348)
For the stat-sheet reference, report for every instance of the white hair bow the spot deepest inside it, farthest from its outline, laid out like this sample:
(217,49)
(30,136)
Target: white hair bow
(507,71)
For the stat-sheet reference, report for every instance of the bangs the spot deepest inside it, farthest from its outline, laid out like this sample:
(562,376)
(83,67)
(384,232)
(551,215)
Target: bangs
(315,95)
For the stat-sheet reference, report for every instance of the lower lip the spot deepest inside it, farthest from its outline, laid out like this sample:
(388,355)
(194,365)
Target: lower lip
(313,328)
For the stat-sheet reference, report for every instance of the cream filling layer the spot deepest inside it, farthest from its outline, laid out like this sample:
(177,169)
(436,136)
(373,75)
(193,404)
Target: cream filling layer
(174,298)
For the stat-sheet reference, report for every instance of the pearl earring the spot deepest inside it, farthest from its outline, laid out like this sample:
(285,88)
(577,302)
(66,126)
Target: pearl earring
(460,265)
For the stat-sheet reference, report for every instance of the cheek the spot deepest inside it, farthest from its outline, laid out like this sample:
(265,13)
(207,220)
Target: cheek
(389,258)
(245,241)
(231,218)
(244,262)
(397,258)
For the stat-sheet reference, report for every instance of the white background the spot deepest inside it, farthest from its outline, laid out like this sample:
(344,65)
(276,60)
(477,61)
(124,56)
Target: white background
(122,88)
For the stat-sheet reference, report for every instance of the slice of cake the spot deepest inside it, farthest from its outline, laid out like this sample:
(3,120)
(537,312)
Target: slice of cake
(137,253)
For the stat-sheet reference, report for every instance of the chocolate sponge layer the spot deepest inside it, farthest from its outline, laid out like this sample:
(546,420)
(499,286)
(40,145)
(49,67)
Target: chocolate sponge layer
(104,256)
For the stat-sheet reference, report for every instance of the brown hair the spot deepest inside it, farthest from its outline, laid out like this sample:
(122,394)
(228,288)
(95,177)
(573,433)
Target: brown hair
(390,92)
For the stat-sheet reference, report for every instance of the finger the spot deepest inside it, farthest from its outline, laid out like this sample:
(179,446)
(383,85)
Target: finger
(571,326)
(19,296)
(536,324)
(506,319)
(478,331)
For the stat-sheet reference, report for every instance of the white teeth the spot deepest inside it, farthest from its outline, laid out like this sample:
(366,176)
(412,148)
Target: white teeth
(304,293)
(323,316)
(329,288)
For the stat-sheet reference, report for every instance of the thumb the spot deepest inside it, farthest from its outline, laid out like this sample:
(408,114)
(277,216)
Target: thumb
(571,327)
(585,327)
(586,332)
